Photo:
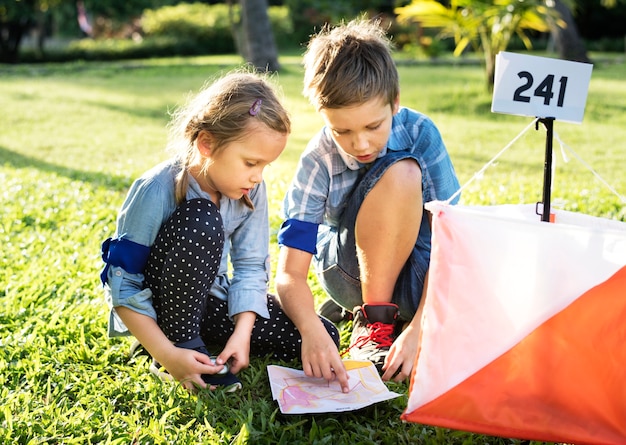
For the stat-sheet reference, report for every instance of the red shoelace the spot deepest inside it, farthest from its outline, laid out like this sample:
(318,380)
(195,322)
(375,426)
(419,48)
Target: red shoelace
(380,333)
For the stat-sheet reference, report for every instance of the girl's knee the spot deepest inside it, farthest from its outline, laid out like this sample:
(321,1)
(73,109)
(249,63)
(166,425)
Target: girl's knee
(200,217)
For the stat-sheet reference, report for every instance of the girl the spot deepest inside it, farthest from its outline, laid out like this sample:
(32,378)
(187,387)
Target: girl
(183,224)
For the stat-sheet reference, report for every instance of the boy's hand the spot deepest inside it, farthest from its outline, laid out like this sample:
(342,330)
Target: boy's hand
(321,359)
(399,362)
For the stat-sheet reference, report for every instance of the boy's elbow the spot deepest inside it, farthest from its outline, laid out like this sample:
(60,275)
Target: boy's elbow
(282,282)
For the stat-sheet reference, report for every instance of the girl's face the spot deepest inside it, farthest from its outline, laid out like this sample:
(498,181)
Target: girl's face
(238,166)
(361,131)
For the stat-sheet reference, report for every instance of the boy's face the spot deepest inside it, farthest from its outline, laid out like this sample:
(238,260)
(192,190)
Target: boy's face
(362,130)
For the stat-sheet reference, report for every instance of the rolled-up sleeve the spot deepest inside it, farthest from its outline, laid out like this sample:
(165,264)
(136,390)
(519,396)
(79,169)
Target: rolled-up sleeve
(439,178)
(125,289)
(138,224)
(249,256)
(307,195)
(417,133)
(299,235)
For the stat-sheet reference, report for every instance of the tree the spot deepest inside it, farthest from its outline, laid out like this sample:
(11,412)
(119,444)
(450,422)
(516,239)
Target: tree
(254,37)
(310,16)
(16,19)
(567,41)
(486,25)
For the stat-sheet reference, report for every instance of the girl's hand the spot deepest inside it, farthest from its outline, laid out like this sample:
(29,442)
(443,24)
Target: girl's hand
(236,353)
(183,365)
(187,367)
(237,349)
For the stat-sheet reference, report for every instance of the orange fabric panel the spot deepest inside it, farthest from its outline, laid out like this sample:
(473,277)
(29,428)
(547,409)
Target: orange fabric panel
(564,382)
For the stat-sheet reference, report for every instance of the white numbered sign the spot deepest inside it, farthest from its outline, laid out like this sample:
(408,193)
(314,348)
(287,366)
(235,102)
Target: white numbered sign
(540,87)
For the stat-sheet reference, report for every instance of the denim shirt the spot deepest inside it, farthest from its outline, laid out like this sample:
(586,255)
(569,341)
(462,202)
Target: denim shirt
(149,203)
(325,177)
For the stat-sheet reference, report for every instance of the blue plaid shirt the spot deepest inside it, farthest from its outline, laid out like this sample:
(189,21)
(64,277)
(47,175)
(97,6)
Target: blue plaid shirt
(325,176)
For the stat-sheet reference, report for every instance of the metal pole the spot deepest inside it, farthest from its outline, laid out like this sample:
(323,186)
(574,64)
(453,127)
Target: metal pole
(548,122)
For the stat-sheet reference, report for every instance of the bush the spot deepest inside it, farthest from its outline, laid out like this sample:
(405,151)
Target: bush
(309,16)
(186,29)
(197,24)
(282,26)
(607,44)
(120,49)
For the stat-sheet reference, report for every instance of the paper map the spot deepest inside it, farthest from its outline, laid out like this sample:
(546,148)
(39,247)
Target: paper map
(298,394)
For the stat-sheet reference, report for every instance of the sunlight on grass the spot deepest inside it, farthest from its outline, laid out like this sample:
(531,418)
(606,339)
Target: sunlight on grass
(75,138)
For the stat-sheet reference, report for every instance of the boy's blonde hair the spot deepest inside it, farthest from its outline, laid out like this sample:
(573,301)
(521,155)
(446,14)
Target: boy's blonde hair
(224,109)
(349,65)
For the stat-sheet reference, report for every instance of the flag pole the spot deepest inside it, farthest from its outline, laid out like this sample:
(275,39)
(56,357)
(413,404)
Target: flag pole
(548,122)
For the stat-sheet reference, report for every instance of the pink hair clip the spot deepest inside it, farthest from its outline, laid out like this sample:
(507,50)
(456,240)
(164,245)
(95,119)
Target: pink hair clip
(256,107)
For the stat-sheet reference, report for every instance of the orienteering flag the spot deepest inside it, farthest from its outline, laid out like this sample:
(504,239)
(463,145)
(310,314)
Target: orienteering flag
(524,326)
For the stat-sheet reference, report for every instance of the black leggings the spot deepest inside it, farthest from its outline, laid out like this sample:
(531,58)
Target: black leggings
(181,269)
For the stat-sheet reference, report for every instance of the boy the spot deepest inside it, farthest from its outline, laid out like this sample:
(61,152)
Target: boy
(355,206)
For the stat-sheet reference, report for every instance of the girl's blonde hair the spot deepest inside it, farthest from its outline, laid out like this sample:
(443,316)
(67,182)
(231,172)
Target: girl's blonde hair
(350,64)
(223,108)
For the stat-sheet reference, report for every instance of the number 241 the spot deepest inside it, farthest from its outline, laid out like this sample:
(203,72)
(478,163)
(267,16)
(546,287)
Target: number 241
(544,89)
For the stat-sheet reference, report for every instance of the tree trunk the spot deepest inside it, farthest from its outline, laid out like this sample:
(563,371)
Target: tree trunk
(490,71)
(11,34)
(567,40)
(257,45)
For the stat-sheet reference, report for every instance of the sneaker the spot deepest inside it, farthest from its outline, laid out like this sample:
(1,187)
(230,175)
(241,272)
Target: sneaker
(223,378)
(137,349)
(333,312)
(373,332)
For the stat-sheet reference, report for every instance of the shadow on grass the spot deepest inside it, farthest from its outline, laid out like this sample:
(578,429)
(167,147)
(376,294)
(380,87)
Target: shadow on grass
(19,161)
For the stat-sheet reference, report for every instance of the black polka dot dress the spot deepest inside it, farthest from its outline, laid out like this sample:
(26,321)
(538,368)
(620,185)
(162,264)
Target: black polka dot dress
(183,264)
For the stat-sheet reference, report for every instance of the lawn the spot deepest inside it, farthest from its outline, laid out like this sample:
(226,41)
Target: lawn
(72,139)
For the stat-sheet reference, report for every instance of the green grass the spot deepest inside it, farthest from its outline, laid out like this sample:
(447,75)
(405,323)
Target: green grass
(72,139)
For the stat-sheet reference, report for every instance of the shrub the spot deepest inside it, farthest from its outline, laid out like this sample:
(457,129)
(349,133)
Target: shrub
(607,44)
(121,49)
(308,16)
(282,26)
(201,25)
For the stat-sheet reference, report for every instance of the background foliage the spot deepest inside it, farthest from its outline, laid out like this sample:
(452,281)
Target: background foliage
(119,28)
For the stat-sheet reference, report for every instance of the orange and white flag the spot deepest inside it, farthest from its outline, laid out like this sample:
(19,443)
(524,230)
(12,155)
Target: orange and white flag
(524,328)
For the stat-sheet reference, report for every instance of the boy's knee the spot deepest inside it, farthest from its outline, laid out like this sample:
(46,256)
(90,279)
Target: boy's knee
(407,167)
(405,175)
